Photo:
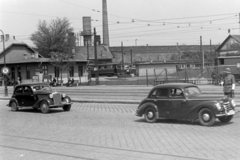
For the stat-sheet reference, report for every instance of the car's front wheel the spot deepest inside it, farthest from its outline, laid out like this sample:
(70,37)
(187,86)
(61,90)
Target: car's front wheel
(150,115)
(44,107)
(206,117)
(67,107)
(14,106)
(225,119)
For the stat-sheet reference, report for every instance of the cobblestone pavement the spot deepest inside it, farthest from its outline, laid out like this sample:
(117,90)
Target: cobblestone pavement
(111,132)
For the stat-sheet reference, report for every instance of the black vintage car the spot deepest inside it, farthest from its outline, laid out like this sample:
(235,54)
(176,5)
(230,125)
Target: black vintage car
(185,101)
(38,95)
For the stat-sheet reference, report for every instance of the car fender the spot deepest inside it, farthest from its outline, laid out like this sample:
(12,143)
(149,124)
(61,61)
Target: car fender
(196,109)
(13,100)
(40,101)
(143,106)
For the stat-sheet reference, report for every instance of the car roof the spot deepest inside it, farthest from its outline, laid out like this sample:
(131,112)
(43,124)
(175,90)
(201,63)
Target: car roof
(32,84)
(175,85)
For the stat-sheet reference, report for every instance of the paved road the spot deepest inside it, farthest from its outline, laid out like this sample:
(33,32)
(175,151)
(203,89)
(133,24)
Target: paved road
(111,131)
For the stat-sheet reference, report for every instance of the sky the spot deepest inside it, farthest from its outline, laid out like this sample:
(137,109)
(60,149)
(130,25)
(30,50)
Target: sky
(131,22)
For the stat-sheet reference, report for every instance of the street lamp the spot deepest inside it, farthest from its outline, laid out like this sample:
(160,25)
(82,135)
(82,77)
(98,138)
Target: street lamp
(5,70)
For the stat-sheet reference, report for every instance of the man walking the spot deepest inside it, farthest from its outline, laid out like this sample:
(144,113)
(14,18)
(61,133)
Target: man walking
(229,84)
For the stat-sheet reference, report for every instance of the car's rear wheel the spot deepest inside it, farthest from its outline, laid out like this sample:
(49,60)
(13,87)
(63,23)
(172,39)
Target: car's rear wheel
(14,106)
(225,119)
(150,115)
(44,107)
(67,107)
(206,117)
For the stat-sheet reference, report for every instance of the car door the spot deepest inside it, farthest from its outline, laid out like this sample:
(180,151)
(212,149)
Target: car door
(28,96)
(162,101)
(177,103)
(18,95)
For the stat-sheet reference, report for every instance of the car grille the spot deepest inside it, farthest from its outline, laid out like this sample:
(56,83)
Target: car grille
(57,99)
(227,107)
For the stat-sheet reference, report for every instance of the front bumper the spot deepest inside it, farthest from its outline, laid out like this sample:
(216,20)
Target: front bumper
(60,105)
(231,112)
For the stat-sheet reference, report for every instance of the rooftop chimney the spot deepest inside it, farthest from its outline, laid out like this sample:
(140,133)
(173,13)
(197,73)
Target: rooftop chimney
(105,23)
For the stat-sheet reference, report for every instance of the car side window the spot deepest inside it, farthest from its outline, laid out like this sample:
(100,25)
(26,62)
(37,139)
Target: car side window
(27,89)
(19,89)
(176,92)
(160,93)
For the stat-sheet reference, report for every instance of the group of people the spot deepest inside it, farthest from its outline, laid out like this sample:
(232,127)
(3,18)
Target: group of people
(55,83)
(70,82)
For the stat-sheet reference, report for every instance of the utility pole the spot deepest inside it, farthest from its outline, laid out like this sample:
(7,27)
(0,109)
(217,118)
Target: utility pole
(239,23)
(5,69)
(201,55)
(122,57)
(210,46)
(96,62)
(131,55)
(88,51)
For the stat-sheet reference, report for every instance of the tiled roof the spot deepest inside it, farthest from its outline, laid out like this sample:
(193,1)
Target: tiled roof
(7,44)
(237,37)
(103,52)
(29,60)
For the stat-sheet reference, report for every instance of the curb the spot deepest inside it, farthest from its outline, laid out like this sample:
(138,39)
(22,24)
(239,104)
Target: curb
(93,101)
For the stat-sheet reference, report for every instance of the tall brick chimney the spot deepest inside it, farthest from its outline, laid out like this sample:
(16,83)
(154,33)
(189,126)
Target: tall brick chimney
(105,23)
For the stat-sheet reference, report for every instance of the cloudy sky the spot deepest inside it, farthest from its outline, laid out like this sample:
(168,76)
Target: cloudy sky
(133,22)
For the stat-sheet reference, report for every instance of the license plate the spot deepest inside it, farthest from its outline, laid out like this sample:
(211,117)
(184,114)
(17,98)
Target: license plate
(231,112)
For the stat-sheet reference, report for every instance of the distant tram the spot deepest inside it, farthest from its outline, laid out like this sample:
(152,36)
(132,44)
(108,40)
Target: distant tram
(108,69)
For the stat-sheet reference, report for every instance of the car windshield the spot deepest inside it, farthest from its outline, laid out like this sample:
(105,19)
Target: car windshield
(190,91)
(41,88)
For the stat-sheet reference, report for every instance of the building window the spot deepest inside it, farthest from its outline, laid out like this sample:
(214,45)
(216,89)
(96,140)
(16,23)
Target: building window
(221,61)
(80,71)
(45,70)
(56,72)
(28,72)
(71,71)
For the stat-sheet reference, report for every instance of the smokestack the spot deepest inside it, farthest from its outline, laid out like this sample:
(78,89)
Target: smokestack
(105,23)
(87,31)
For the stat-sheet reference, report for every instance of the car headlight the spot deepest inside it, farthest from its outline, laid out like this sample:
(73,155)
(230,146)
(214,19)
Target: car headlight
(51,95)
(218,106)
(63,95)
(66,100)
(233,103)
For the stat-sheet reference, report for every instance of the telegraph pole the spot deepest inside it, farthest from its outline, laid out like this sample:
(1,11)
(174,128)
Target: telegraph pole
(131,55)
(201,55)
(239,23)
(96,62)
(122,57)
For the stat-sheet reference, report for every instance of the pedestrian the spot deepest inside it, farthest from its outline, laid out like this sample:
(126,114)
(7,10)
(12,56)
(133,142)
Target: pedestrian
(69,82)
(72,81)
(229,84)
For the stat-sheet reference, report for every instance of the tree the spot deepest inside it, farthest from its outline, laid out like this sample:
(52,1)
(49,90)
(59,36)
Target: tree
(55,37)
(55,41)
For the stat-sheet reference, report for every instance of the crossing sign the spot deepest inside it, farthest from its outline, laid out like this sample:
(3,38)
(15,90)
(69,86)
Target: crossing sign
(5,70)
